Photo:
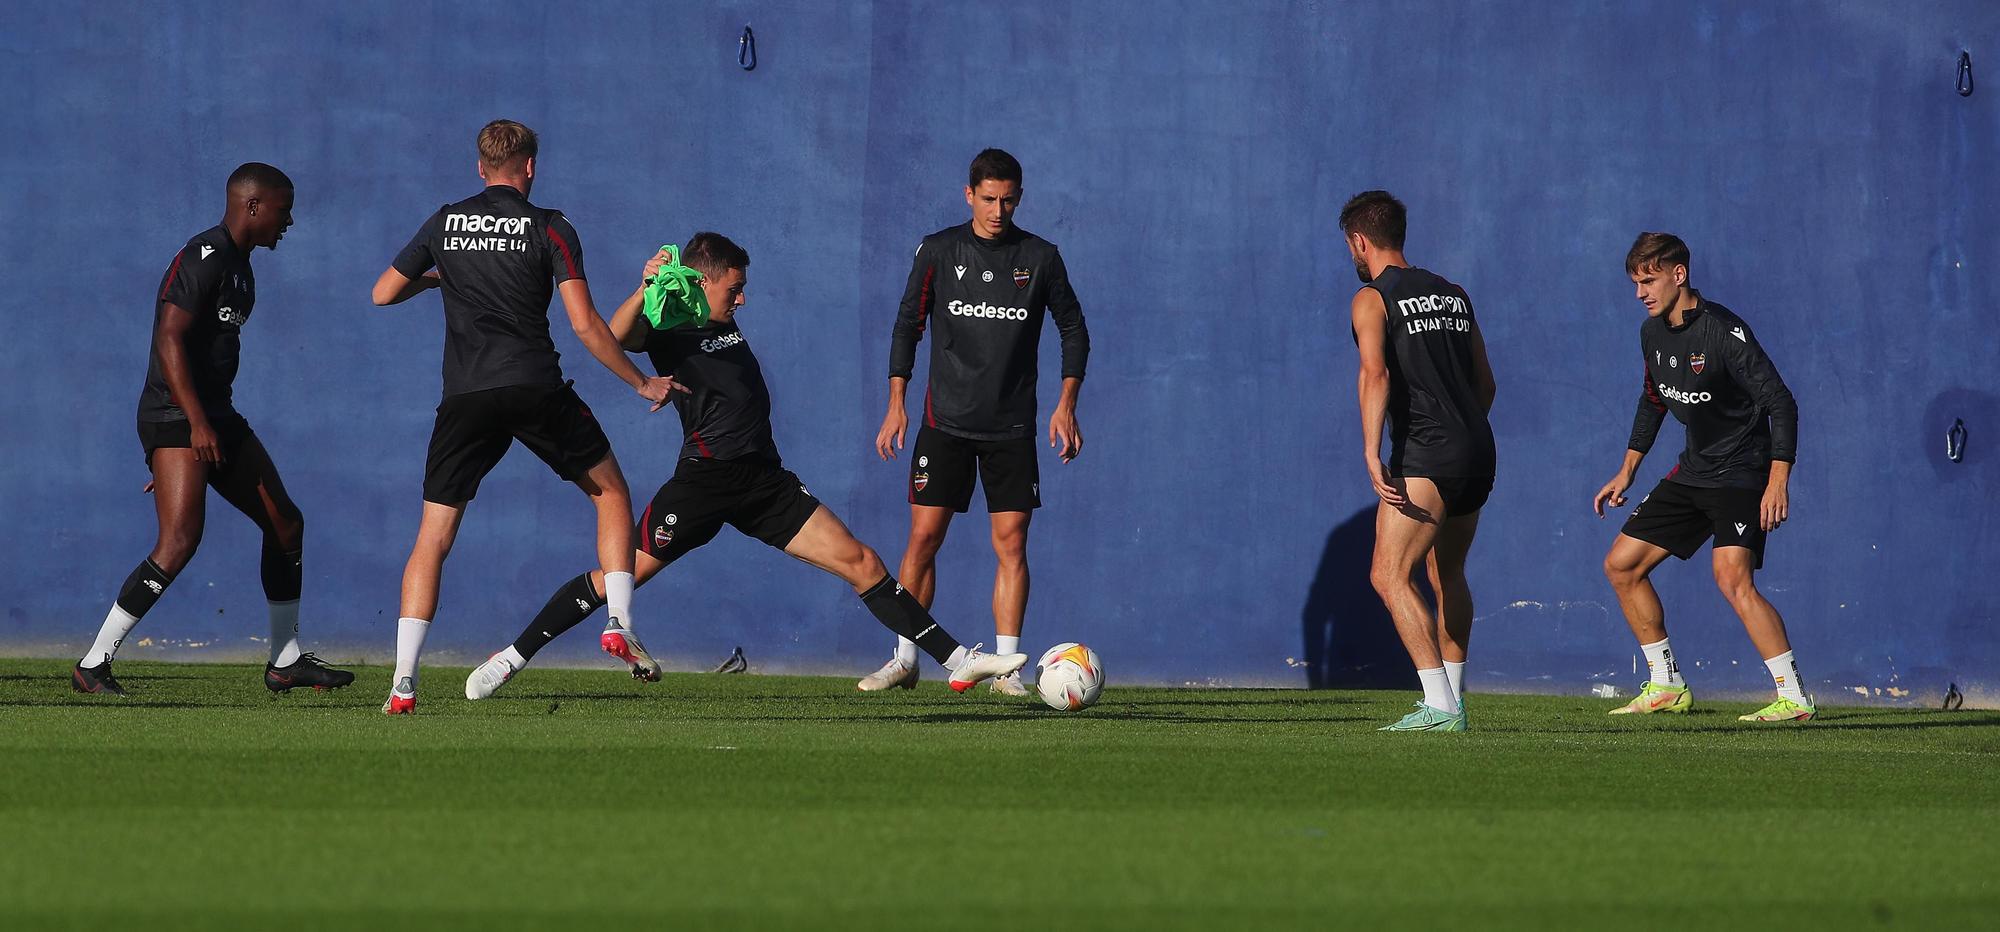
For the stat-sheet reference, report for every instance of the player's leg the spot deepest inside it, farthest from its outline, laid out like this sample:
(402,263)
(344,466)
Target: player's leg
(1403,540)
(1010,474)
(180,489)
(251,484)
(467,440)
(940,486)
(436,532)
(1667,522)
(823,541)
(1010,590)
(1446,565)
(682,516)
(1629,566)
(605,484)
(1735,575)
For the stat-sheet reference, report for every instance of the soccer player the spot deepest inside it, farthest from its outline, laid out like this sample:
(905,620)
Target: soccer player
(194,439)
(730,473)
(498,258)
(986,287)
(1703,363)
(1424,371)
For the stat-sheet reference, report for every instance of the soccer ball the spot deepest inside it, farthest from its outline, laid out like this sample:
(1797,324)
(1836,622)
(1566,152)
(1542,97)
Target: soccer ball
(1070,677)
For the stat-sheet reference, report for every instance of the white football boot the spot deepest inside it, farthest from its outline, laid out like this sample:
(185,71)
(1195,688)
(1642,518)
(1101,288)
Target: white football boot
(620,642)
(979,665)
(489,677)
(894,675)
(1008,685)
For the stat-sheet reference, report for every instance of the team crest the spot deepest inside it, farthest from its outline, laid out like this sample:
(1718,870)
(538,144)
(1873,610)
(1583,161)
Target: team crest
(1021,278)
(1696,362)
(662,536)
(920,480)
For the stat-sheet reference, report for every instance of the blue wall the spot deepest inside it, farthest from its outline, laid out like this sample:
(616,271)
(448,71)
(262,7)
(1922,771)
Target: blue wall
(1189,158)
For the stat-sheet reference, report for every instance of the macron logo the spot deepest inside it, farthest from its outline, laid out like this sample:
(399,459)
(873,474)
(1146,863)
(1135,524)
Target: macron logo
(1741,527)
(1738,334)
(205,250)
(961,272)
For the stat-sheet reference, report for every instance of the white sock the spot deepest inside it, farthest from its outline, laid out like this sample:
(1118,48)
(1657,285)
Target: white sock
(618,598)
(956,659)
(1437,690)
(514,657)
(1454,670)
(117,623)
(410,634)
(1785,673)
(906,651)
(1661,668)
(1006,643)
(284,633)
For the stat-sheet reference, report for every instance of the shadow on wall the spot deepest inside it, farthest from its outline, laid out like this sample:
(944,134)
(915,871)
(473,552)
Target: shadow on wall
(1350,643)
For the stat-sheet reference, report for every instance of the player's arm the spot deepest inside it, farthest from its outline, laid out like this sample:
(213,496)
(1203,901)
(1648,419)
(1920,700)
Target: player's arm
(1482,371)
(1371,337)
(597,338)
(395,288)
(567,258)
(1064,433)
(919,293)
(170,331)
(1752,368)
(628,325)
(1645,428)
(413,271)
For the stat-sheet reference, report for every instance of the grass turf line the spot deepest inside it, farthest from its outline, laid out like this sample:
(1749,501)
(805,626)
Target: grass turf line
(761,802)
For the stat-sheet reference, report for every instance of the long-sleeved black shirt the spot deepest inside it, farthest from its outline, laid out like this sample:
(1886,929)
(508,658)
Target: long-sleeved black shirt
(1717,380)
(986,300)
(726,414)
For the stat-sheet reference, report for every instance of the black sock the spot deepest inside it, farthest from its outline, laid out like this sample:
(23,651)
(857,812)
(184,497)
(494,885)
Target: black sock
(143,588)
(899,611)
(571,604)
(282,570)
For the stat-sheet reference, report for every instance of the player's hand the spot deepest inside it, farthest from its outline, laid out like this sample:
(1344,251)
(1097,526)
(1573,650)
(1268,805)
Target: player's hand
(1775,508)
(1064,435)
(1378,476)
(207,448)
(890,438)
(1613,494)
(653,265)
(659,390)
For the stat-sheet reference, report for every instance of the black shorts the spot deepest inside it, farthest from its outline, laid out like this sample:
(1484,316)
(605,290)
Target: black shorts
(1462,495)
(1680,518)
(763,500)
(942,464)
(231,431)
(474,430)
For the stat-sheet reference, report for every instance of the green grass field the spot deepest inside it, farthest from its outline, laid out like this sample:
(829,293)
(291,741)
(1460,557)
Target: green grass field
(579,799)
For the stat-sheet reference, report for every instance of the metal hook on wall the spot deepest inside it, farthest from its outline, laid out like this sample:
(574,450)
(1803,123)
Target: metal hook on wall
(1965,74)
(746,50)
(1954,441)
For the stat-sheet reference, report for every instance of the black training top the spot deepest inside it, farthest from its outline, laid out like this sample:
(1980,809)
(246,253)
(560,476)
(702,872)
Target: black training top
(726,412)
(499,259)
(1437,422)
(1713,375)
(210,279)
(991,297)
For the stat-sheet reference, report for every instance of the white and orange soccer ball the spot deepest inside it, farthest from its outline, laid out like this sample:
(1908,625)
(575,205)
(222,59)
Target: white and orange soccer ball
(1070,677)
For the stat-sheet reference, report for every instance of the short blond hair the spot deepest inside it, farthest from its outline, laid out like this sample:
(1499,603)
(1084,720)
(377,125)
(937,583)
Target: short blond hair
(505,144)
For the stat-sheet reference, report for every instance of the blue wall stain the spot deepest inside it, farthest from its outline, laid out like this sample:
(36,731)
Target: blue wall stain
(1189,158)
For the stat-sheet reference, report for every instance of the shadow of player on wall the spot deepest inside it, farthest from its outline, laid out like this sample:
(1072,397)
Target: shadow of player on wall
(1350,642)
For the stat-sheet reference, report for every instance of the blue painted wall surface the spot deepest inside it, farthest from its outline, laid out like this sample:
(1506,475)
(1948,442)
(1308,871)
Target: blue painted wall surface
(1189,158)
